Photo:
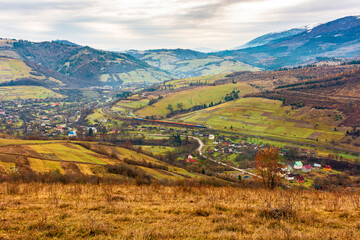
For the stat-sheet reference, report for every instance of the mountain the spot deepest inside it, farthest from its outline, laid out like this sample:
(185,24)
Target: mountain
(184,63)
(271,37)
(205,50)
(87,65)
(66,42)
(61,63)
(335,39)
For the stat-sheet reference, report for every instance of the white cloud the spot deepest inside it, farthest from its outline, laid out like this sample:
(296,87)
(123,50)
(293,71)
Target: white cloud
(143,24)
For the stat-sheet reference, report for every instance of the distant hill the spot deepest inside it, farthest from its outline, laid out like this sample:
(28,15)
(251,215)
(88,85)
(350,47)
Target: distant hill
(66,42)
(184,63)
(61,63)
(335,39)
(88,66)
(271,38)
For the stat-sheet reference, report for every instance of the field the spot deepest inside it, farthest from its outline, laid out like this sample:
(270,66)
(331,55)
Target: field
(129,106)
(266,117)
(206,65)
(97,115)
(12,69)
(83,211)
(27,92)
(141,75)
(192,97)
(157,150)
(185,82)
(72,158)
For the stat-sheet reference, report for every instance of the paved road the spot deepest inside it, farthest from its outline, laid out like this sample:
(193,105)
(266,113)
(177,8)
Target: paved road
(201,145)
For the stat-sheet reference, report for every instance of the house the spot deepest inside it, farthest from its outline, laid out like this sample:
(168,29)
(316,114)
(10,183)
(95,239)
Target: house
(190,159)
(316,165)
(72,134)
(306,168)
(327,168)
(289,176)
(298,165)
(2,112)
(300,179)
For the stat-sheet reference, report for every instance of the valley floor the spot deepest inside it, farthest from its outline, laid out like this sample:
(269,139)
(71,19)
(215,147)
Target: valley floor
(38,211)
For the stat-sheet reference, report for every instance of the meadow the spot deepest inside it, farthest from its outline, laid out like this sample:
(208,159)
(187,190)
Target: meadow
(264,117)
(192,97)
(12,69)
(185,82)
(83,159)
(84,211)
(27,92)
(141,75)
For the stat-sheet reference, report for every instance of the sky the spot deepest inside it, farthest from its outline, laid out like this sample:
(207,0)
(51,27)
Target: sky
(145,24)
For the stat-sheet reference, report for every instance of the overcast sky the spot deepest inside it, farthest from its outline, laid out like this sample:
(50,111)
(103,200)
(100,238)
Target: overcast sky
(149,24)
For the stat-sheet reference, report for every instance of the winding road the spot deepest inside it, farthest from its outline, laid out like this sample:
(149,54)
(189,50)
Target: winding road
(201,145)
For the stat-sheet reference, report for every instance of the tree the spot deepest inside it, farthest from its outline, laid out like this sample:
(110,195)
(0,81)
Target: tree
(267,162)
(170,108)
(180,105)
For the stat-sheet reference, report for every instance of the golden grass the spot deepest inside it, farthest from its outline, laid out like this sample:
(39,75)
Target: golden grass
(26,92)
(39,211)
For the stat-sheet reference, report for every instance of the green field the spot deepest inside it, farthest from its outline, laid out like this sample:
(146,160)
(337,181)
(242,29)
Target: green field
(185,82)
(97,115)
(195,67)
(212,65)
(197,96)
(157,150)
(264,117)
(12,69)
(141,75)
(27,92)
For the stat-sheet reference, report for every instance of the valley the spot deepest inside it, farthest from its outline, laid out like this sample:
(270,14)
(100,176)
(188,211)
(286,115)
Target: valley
(254,142)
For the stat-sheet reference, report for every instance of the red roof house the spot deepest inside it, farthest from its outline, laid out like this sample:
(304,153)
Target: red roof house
(327,168)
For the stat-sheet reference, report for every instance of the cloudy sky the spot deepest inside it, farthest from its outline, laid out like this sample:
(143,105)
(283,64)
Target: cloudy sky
(149,24)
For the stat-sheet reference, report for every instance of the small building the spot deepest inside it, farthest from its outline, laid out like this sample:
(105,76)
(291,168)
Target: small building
(300,179)
(72,134)
(317,165)
(190,159)
(306,168)
(298,165)
(211,137)
(289,177)
(327,168)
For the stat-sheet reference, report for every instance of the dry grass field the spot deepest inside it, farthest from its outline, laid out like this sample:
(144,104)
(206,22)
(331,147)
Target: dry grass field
(79,211)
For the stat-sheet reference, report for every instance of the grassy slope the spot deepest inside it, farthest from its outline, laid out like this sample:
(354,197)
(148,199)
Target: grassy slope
(141,75)
(185,82)
(192,97)
(267,117)
(196,66)
(12,69)
(26,92)
(83,211)
(49,155)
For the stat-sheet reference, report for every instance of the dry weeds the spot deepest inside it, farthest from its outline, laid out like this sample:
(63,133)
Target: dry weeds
(76,211)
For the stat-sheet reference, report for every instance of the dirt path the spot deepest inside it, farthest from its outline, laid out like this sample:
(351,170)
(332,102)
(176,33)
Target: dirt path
(199,149)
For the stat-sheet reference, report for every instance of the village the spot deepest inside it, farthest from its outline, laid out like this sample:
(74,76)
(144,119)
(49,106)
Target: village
(41,117)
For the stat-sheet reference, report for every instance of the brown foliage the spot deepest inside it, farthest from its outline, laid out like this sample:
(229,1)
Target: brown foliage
(267,163)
